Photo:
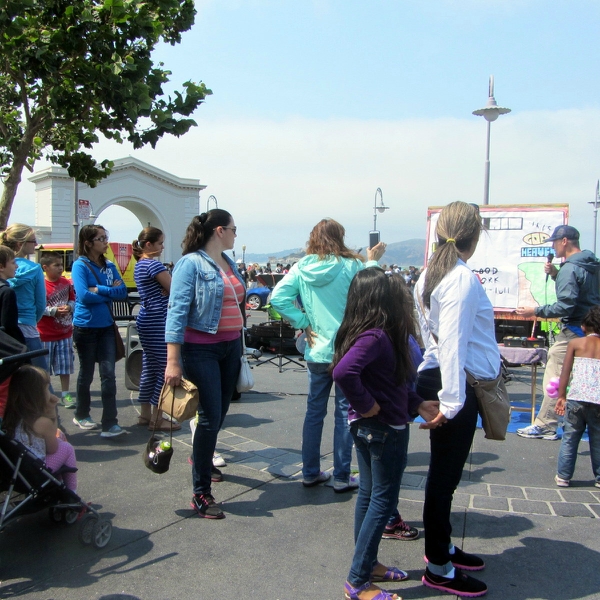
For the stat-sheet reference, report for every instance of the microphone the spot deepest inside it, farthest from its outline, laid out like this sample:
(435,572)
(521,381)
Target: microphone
(550,258)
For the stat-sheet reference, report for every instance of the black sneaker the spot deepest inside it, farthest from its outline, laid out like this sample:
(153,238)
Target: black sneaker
(216,476)
(400,530)
(206,507)
(460,585)
(466,562)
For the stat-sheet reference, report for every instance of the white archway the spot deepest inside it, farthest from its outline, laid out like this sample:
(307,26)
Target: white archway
(152,195)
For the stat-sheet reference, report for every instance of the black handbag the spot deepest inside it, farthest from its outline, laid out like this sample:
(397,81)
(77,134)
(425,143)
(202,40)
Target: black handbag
(156,458)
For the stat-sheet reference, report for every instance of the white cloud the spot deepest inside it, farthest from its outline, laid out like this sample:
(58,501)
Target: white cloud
(279,178)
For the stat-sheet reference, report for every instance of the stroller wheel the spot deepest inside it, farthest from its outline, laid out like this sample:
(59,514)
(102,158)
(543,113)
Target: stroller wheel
(86,530)
(71,516)
(56,514)
(102,533)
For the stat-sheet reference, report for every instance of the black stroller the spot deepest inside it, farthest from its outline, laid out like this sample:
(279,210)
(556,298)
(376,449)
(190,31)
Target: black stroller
(26,484)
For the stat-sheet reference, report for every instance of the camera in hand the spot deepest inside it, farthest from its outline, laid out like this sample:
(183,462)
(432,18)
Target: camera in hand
(373,238)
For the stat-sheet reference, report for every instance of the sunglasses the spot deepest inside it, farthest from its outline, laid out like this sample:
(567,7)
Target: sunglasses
(104,238)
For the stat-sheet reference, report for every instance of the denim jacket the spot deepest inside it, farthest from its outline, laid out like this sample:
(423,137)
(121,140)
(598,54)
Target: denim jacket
(196,296)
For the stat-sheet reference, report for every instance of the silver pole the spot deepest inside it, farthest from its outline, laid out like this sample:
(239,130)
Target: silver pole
(75,218)
(486,191)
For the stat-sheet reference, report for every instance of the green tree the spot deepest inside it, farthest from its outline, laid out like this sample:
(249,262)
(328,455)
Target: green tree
(73,69)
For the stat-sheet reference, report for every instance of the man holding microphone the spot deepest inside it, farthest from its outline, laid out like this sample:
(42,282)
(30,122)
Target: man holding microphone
(577,290)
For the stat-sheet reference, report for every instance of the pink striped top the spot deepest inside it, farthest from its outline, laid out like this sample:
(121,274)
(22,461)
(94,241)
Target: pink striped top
(231,322)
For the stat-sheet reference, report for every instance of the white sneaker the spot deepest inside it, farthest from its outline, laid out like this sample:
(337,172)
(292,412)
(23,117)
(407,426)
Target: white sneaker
(339,487)
(114,431)
(561,482)
(537,432)
(218,460)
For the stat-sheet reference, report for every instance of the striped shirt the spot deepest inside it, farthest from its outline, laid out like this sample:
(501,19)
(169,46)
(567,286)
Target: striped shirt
(231,321)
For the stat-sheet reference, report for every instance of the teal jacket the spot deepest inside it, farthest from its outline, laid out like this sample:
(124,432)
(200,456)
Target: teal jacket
(323,288)
(30,288)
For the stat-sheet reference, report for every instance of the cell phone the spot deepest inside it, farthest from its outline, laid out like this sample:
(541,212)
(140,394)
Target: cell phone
(373,238)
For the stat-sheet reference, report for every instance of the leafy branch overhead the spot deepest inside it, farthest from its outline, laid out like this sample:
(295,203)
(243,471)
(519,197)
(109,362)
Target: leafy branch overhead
(71,70)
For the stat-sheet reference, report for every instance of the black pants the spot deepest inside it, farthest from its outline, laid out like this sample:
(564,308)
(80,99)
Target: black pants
(450,447)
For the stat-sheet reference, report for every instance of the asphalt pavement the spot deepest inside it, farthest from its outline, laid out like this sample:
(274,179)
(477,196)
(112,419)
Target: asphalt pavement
(281,541)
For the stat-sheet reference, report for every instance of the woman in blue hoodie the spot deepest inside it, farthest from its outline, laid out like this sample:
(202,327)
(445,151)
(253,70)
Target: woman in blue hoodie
(97,283)
(322,279)
(28,284)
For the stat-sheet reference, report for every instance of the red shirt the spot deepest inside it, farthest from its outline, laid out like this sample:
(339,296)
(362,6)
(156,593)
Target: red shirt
(58,327)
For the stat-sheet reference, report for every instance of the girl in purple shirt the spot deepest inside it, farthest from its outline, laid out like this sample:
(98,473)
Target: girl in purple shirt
(372,365)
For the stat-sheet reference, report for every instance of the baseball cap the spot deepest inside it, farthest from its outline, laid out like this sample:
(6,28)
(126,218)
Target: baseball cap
(564,231)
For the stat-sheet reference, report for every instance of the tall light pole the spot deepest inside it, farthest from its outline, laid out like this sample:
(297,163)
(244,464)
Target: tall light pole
(211,197)
(490,113)
(381,208)
(596,204)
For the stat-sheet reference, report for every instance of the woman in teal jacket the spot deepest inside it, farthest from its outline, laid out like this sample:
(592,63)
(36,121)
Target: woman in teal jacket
(322,279)
(29,286)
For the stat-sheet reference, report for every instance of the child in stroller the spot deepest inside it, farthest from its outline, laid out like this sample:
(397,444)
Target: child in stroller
(27,484)
(30,418)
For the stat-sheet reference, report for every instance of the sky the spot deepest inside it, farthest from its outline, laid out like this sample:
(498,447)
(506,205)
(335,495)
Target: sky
(317,104)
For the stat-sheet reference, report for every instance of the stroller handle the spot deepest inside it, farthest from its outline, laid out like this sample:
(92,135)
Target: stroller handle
(24,356)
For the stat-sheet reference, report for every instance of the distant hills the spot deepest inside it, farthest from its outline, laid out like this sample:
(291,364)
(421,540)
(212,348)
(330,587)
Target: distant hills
(404,254)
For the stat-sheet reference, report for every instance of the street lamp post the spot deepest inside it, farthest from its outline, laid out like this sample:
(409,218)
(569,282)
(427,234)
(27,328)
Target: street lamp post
(211,197)
(381,208)
(490,113)
(596,204)
(244,254)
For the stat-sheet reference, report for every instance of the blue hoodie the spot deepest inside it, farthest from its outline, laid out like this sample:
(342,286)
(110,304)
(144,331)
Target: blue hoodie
(91,309)
(30,289)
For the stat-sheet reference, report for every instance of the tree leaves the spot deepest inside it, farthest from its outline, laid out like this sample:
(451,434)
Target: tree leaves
(71,70)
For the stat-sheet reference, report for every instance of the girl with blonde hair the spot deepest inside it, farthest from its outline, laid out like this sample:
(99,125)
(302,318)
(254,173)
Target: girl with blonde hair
(457,327)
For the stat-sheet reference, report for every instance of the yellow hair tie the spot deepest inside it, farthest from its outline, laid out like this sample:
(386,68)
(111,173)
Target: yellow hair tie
(450,241)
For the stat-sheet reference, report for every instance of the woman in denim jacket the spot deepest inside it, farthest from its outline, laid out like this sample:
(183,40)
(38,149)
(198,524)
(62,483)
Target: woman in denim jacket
(203,335)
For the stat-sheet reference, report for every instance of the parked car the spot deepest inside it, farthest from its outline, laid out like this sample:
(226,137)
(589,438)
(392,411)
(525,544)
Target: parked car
(257,297)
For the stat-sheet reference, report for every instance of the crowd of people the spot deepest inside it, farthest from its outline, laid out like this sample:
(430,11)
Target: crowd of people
(359,321)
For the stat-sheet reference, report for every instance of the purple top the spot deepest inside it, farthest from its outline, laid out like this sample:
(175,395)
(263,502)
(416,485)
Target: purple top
(366,374)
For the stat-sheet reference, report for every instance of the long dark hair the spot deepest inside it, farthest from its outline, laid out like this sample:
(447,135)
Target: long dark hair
(327,238)
(86,241)
(378,301)
(202,228)
(26,400)
(460,223)
(147,235)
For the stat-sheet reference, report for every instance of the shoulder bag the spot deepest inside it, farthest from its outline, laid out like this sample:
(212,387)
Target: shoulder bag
(245,380)
(494,405)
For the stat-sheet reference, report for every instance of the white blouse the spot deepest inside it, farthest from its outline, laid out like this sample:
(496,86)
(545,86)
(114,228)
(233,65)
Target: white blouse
(461,318)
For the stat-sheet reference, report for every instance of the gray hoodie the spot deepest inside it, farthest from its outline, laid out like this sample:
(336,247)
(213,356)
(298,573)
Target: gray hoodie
(577,289)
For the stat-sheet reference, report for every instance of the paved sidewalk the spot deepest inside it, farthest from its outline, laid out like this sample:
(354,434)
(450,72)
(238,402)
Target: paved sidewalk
(283,541)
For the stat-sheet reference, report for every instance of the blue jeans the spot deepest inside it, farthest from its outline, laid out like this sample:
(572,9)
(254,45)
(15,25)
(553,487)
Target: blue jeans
(577,416)
(214,370)
(319,386)
(450,447)
(96,345)
(381,453)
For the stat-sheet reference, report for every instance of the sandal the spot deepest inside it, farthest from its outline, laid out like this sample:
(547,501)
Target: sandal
(164,425)
(391,574)
(143,422)
(352,593)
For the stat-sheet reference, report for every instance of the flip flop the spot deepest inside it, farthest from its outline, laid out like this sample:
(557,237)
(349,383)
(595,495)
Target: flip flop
(351,593)
(392,574)
(164,425)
